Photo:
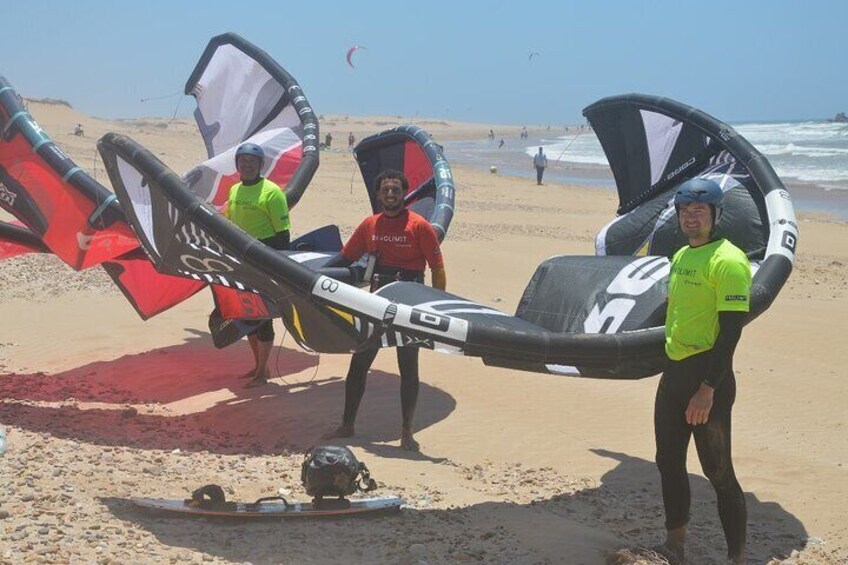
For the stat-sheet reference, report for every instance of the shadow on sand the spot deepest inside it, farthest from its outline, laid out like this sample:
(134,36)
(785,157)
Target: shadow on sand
(578,527)
(190,396)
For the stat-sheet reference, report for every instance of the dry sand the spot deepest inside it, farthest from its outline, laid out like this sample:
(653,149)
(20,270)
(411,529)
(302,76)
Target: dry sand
(515,467)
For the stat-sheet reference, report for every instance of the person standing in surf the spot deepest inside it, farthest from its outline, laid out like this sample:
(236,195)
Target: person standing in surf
(708,297)
(259,207)
(540,161)
(403,242)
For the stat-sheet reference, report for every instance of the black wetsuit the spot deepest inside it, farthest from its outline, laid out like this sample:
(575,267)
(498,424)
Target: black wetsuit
(678,384)
(407,358)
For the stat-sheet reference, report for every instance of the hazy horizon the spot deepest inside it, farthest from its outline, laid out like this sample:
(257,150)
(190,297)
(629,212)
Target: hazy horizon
(740,62)
(188,115)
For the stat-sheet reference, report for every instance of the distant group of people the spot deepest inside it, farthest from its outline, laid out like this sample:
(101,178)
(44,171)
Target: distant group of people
(328,141)
(522,135)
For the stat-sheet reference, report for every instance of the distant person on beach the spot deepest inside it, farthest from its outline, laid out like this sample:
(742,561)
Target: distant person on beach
(501,144)
(259,207)
(403,243)
(491,135)
(78,131)
(350,141)
(709,291)
(328,140)
(524,134)
(540,161)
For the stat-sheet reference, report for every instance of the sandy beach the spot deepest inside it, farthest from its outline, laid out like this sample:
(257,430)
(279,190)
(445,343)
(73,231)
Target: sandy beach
(515,467)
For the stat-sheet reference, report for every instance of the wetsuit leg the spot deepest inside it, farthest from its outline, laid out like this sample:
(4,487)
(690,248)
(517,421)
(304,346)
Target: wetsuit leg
(355,383)
(409,383)
(712,441)
(672,435)
(539,172)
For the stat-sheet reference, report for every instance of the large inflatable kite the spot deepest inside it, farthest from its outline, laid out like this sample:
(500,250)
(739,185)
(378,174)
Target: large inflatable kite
(64,211)
(350,52)
(410,150)
(431,192)
(240,294)
(596,316)
(242,94)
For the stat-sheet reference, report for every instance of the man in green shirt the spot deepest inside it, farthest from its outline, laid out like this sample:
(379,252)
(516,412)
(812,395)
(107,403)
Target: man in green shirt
(708,296)
(259,207)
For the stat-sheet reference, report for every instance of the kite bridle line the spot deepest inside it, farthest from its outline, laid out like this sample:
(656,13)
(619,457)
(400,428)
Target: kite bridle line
(176,109)
(177,93)
(579,133)
(94,163)
(352,174)
(277,361)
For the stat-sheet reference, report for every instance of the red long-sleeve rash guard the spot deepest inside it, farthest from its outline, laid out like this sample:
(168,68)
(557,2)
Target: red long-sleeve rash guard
(406,241)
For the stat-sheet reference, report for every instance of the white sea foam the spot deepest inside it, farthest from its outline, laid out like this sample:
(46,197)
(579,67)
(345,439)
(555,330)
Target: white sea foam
(815,152)
(801,152)
(581,149)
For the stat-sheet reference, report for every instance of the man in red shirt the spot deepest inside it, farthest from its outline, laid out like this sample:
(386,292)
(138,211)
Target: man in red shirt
(403,242)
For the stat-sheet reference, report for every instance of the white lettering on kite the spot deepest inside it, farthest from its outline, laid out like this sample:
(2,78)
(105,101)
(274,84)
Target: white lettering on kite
(7,195)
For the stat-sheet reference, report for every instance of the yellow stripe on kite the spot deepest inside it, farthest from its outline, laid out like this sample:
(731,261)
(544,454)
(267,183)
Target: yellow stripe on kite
(644,250)
(345,315)
(296,320)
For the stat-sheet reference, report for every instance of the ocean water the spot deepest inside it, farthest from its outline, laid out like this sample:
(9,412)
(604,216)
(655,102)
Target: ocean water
(810,157)
(810,152)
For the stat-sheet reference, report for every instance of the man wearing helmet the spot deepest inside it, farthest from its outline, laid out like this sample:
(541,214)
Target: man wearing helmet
(259,207)
(708,294)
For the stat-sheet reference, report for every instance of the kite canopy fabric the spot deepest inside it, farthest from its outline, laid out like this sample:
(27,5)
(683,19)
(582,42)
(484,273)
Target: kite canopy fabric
(15,239)
(68,213)
(593,316)
(654,144)
(410,150)
(71,213)
(350,52)
(243,95)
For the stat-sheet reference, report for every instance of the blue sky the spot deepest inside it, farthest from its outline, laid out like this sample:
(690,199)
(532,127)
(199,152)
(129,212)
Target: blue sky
(465,60)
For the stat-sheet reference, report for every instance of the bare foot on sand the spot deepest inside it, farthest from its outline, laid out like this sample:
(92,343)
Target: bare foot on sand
(256,381)
(674,555)
(408,443)
(342,431)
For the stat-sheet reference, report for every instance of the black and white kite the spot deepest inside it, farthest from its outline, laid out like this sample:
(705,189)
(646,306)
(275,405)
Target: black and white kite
(597,316)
